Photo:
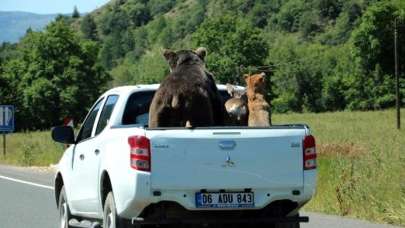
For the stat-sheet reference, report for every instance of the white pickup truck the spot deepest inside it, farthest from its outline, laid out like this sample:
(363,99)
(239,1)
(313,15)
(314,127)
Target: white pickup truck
(119,173)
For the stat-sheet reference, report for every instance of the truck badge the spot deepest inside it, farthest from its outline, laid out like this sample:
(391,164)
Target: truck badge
(227,144)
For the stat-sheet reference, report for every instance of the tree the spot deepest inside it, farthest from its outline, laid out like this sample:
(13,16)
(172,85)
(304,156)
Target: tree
(373,53)
(7,51)
(234,43)
(138,13)
(150,68)
(298,74)
(329,8)
(75,13)
(141,42)
(259,15)
(160,6)
(114,21)
(112,50)
(55,75)
(288,18)
(309,24)
(344,24)
(89,28)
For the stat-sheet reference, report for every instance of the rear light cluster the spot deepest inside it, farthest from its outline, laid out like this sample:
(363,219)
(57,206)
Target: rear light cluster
(140,153)
(309,152)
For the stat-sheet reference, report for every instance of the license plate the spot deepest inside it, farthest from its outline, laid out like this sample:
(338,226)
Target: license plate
(225,200)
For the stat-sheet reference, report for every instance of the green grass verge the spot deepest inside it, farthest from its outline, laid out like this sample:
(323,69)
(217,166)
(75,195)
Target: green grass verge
(361,162)
(30,149)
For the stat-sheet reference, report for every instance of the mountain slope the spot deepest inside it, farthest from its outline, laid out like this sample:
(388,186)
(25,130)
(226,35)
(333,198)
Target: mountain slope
(318,50)
(13,25)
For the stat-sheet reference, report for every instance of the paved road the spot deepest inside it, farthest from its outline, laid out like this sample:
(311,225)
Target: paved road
(23,205)
(330,221)
(27,200)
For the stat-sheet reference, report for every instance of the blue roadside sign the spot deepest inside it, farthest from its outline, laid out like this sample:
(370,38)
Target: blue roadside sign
(6,118)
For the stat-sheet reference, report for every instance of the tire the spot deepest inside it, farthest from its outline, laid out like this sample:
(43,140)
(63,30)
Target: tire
(64,211)
(110,217)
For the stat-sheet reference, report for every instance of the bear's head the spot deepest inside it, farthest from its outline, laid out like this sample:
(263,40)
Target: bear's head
(256,83)
(177,58)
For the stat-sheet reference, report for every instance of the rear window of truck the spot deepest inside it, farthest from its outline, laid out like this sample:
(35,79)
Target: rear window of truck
(137,107)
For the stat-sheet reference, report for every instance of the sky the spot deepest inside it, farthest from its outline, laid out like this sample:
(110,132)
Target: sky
(50,6)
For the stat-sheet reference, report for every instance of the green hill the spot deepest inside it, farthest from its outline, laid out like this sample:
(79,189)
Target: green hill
(321,54)
(13,25)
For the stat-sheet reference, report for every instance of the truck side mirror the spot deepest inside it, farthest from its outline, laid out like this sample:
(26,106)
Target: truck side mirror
(63,134)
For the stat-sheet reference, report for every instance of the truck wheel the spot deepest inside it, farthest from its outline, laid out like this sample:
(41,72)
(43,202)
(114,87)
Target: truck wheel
(64,211)
(110,217)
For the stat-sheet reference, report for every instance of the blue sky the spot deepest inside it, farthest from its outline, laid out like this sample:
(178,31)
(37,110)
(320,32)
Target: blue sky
(50,6)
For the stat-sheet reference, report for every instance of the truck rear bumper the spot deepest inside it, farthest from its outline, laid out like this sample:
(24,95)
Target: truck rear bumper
(142,196)
(263,197)
(283,211)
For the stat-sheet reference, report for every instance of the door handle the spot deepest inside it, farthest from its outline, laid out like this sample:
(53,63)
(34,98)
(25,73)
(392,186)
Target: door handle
(81,157)
(97,151)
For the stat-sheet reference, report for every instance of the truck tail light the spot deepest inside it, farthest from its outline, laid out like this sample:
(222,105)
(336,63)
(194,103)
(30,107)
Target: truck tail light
(309,152)
(140,153)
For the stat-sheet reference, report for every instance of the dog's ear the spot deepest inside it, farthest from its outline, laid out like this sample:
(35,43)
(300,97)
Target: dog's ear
(246,77)
(201,52)
(230,88)
(262,77)
(171,58)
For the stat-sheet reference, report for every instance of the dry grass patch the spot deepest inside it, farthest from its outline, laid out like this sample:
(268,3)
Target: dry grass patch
(335,150)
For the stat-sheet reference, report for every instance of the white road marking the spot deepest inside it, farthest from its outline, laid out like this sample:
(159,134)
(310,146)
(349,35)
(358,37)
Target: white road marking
(27,182)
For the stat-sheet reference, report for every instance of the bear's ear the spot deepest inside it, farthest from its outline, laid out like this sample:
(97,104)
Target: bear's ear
(201,52)
(171,58)
(263,74)
(169,55)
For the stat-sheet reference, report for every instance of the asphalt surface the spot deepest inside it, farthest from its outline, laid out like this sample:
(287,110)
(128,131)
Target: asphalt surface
(23,205)
(27,201)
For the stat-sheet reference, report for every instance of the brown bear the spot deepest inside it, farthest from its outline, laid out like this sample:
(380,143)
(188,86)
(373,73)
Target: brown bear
(188,96)
(236,107)
(259,108)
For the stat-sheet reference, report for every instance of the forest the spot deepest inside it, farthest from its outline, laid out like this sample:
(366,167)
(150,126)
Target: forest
(319,55)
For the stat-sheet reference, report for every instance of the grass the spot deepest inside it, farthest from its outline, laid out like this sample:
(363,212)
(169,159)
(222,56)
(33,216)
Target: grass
(361,162)
(31,149)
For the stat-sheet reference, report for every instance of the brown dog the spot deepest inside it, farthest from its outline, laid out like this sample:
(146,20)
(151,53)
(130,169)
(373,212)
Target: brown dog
(259,108)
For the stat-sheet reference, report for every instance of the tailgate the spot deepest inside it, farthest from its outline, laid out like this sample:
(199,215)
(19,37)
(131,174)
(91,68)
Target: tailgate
(226,158)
